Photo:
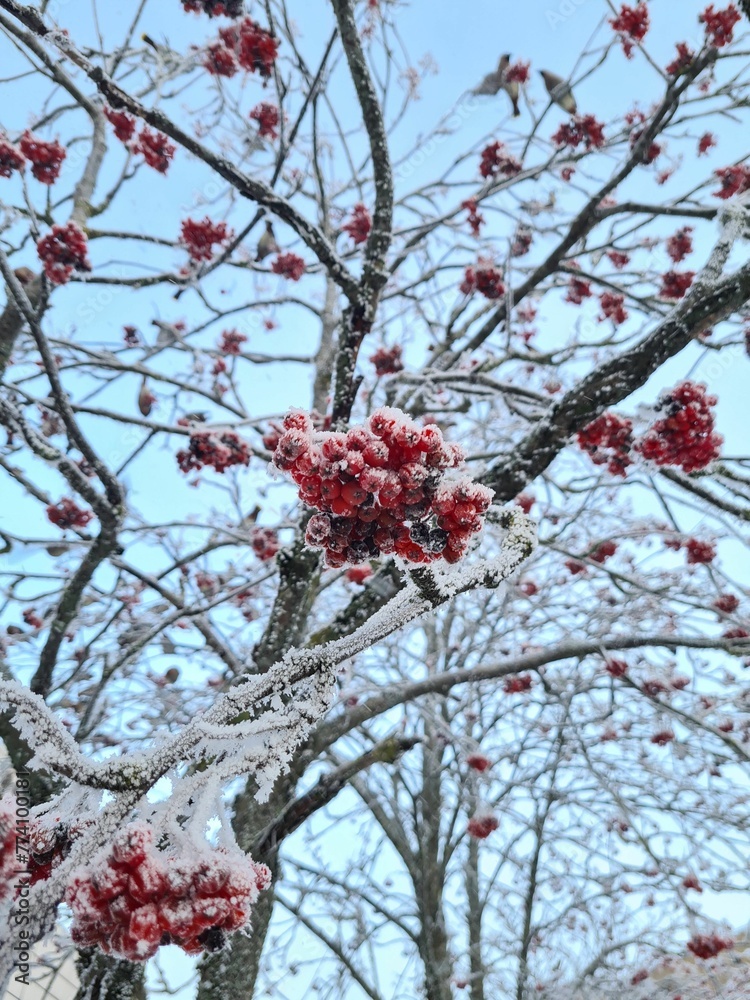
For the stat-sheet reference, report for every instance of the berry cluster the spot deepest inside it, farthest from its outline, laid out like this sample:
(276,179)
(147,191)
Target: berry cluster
(575,567)
(518,683)
(631,23)
(381,488)
(699,552)
(683,60)
(358,574)
(218,448)
(707,141)
(496,160)
(616,668)
(359,224)
(708,945)
(522,240)
(608,440)
(266,116)
(273,435)
(476,220)
(63,250)
(231,342)
(46,157)
(214,8)
(735,633)
(613,307)
(674,284)
(265,542)
(49,845)
(136,899)
(387,360)
(618,259)
(485,279)
(734,180)
(67,514)
(289,265)
(482,824)
(31,618)
(198,238)
(719,24)
(122,123)
(517,72)
(578,290)
(603,552)
(680,244)
(155,148)
(525,501)
(11,158)
(583,130)
(478,762)
(691,882)
(243,45)
(662,737)
(726,603)
(685,436)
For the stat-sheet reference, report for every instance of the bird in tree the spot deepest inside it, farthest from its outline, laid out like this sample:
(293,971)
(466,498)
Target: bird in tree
(267,243)
(496,81)
(559,91)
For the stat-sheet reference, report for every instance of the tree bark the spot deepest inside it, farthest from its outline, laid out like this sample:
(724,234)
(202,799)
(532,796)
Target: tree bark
(103,977)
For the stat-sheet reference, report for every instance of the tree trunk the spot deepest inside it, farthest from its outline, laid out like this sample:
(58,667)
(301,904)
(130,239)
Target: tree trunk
(102,977)
(476,965)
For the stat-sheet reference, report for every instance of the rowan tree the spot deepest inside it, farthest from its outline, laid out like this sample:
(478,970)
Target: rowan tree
(374,496)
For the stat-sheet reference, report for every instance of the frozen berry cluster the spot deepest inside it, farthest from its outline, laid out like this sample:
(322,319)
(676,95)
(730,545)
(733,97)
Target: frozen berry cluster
(243,45)
(11,158)
(699,552)
(137,898)
(478,762)
(272,436)
(387,360)
(218,448)
(266,116)
(49,845)
(67,514)
(603,551)
(484,278)
(62,251)
(475,218)
(482,824)
(727,604)
(707,946)
(685,435)
(674,284)
(46,158)
(518,683)
(381,489)
(264,542)
(608,440)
